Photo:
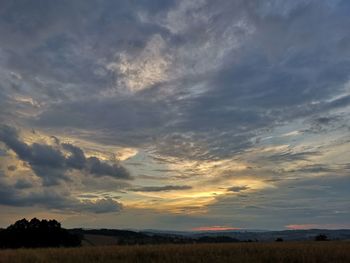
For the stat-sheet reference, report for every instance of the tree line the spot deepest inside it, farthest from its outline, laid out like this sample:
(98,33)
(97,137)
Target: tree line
(37,233)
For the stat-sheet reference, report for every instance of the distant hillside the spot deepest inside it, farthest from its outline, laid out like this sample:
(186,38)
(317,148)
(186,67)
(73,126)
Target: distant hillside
(127,237)
(287,235)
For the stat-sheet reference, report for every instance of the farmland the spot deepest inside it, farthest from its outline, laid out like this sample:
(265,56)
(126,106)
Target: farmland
(284,252)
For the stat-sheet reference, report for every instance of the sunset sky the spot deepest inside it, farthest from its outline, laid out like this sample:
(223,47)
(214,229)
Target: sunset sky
(180,115)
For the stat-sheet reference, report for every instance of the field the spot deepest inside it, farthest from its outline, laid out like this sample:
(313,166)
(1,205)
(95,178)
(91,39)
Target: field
(284,252)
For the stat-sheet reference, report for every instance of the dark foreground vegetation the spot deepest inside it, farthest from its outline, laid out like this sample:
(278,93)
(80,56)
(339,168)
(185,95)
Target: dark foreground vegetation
(37,233)
(282,252)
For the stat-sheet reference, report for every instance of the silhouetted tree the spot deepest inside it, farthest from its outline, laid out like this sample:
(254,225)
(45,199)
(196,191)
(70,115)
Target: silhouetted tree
(279,239)
(36,233)
(321,237)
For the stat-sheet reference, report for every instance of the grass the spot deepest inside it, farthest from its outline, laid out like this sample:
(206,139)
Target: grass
(286,252)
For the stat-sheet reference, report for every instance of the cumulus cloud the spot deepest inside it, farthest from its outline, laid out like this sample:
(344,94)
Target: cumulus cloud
(99,168)
(51,164)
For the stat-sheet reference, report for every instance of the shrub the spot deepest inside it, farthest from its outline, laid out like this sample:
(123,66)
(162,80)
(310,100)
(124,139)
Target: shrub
(321,237)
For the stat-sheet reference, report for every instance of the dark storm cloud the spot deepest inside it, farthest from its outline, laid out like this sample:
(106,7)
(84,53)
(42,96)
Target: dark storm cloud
(164,188)
(51,165)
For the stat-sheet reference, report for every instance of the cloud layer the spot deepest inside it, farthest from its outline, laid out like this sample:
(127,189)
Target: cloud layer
(180,110)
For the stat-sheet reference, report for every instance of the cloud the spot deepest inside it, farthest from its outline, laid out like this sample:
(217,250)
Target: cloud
(237,189)
(95,166)
(161,188)
(24,194)
(23,184)
(316,168)
(11,168)
(197,87)
(77,158)
(145,69)
(232,76)
(326,123)
(303,196)
(289,156)
(51,164)
(106,205)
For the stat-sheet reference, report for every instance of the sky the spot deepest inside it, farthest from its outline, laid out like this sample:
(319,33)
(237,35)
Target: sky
(178,115)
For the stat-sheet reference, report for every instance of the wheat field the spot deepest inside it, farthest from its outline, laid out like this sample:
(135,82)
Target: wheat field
(287,252)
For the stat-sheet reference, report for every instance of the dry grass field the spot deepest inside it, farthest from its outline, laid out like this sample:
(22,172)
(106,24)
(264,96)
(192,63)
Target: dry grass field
(288,252)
